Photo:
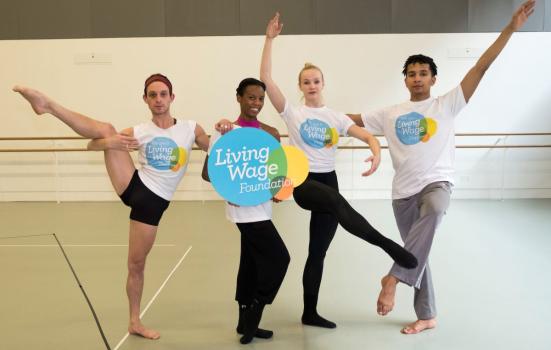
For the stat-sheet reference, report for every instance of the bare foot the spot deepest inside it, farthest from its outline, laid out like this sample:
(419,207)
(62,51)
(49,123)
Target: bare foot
(39,102)
(139,329)
(385,303)
(419,326)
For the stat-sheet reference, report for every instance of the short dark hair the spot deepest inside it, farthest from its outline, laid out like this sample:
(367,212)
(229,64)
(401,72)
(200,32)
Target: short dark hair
(420,59)
(249,81)
(157,77)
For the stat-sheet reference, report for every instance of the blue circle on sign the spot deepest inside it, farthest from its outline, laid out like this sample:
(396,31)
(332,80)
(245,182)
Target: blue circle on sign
(245,166)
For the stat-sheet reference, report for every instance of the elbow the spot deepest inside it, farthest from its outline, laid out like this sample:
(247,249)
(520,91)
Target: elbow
(276,135)
(205,175)
(204,147)
(356,118)
(374,143)
(480,68)
(107,130)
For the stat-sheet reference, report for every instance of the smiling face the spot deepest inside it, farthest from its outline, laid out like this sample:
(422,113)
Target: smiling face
(251,101)
(158,98)
(311,84)
(419,80)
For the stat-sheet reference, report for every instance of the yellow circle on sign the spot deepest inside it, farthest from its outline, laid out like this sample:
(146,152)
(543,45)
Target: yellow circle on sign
(297,165)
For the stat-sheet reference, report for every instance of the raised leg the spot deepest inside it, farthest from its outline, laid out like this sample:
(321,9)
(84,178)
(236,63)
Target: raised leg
(119,164)
(315,196)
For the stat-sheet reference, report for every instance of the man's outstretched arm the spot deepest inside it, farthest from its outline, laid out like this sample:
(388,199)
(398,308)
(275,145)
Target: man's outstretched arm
(474,76)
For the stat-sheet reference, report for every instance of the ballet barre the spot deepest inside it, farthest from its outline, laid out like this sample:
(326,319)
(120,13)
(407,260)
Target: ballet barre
(503,137)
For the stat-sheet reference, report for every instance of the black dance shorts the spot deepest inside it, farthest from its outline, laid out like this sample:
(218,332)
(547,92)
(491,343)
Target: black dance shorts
(146,206)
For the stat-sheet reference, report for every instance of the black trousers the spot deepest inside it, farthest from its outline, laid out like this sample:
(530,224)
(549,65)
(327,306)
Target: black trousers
(263,263)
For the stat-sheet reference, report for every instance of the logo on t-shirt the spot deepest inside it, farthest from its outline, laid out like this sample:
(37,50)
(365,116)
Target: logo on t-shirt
(163,153)
(318,134)
(413,128)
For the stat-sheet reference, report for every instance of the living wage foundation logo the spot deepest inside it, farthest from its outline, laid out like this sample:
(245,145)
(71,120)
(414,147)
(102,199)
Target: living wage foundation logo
(318,134)
(413,128)
(163,153)
(248,166)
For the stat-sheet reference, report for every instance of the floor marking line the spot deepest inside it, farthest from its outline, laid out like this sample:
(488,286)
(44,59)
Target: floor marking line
(155,295)
(98,324)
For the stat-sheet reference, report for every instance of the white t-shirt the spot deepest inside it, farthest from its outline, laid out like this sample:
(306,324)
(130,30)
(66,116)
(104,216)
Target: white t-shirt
(421,140)
(164,155)
(244,214)
(316,131)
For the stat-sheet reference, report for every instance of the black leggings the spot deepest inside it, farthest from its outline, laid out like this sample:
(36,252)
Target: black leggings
(323,226)
(319,194)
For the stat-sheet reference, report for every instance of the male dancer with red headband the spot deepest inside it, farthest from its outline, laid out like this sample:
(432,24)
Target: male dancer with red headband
(164,144)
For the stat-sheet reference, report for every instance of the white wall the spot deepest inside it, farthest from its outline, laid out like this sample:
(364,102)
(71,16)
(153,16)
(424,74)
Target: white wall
(361,72)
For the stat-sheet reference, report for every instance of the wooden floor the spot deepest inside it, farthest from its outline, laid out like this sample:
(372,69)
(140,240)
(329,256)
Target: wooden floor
(491,262)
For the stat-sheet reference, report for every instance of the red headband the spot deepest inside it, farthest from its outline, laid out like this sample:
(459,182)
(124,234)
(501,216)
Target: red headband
(157,77)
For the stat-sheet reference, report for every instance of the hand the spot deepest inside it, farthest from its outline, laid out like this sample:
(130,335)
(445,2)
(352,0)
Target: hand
(521,14)
(274,27)
(375,161)
(122,143)
(223,126)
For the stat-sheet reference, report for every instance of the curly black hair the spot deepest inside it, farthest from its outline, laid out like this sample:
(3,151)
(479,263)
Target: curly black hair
(420,59)
(249,81)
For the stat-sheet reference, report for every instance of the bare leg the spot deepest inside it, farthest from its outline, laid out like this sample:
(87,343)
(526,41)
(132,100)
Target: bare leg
(81,124)
(141,240)
(119,164)
(120,168)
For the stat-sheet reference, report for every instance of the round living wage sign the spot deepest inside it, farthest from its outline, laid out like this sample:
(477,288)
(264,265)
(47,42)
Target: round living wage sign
(248,166)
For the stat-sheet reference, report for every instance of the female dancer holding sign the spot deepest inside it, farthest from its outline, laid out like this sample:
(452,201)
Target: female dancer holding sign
(264,257)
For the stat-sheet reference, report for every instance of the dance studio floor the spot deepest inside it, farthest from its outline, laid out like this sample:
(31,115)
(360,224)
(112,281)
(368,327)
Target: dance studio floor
(490,261)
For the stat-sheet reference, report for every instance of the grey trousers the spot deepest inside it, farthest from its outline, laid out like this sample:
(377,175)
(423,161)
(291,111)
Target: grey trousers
(417,218)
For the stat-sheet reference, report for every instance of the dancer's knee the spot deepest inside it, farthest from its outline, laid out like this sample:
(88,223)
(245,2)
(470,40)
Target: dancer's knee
(136,266)
(316,256)
(280,262)
(285,260)
(107,129)
(433,209)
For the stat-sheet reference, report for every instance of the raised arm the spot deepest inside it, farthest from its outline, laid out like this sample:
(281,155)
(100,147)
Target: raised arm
(374,146)
(474,76)
(276,97)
